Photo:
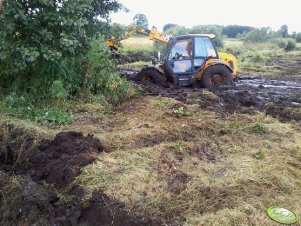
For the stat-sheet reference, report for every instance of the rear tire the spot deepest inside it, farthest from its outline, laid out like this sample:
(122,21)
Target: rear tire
(216,75)
(149,75)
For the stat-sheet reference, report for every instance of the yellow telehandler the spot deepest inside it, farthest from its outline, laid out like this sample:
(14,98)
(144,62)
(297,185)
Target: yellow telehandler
(189,60)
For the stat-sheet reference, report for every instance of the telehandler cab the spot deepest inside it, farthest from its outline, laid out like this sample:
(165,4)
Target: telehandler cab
(190,60)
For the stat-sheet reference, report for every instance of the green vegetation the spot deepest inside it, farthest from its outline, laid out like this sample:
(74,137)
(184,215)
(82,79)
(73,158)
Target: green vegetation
(54,51)
(200,161)
(140,21)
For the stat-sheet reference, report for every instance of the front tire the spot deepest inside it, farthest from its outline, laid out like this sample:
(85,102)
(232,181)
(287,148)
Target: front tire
(216,75)
(151,75)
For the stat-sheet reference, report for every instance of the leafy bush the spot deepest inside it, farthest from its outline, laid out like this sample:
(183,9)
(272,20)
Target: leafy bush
(282,43)
(286,43)
(291,44)
(44,41)
(20,106)
(58,91)
(102,77)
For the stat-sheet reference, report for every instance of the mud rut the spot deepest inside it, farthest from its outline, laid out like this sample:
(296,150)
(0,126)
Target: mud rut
(278,98)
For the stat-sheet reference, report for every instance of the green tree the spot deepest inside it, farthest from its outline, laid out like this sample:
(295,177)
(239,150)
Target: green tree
(140,21)
(298,37)
(168,26)
(257,35)
(284,31)
(43,41)
(209,29)
(177,30)
(232,31)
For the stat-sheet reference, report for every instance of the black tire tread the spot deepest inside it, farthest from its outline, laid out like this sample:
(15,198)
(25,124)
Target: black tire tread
(213,70)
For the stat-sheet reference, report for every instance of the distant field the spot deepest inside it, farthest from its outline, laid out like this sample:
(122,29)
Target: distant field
(233,42)
(137,44)
(137,41)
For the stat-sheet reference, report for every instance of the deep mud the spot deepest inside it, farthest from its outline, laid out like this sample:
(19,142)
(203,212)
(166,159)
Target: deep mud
(275,97)
(28,199)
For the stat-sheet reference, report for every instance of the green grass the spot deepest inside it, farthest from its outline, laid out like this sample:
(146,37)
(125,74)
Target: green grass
(137,45)
(264,59)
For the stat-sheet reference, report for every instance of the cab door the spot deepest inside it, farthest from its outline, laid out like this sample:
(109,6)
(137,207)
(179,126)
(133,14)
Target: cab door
(180,57)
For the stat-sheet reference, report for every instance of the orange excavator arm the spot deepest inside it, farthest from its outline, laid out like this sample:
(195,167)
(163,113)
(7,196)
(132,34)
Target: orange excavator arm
(153,34)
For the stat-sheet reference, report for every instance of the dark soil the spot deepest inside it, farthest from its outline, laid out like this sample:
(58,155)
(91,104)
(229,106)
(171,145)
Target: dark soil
(60,160)
(56,162)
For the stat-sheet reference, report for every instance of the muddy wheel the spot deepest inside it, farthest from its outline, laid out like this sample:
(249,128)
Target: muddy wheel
(216,75)
(151,75)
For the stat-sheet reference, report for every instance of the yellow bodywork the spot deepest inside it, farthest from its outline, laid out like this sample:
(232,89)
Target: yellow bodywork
(226,58)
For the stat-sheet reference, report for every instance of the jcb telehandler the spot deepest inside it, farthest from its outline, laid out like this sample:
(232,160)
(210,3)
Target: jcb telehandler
(190,60)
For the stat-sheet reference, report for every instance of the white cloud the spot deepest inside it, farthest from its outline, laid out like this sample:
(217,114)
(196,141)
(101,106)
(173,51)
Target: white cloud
(257,13)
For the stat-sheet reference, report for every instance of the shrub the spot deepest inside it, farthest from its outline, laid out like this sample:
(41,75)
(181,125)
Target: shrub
(291,45)
(257,35)
(101,76)
(282,43)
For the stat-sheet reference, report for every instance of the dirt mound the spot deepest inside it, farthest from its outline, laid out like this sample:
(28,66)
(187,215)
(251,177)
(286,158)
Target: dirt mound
(60,160)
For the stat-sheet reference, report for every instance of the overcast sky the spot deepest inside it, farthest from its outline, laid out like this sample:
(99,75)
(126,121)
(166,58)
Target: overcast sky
(257,13)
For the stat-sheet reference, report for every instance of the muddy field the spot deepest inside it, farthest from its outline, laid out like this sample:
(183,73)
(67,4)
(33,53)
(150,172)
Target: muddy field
(38,177)
(275,97)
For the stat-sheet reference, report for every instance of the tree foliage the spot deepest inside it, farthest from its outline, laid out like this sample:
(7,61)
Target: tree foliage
(209,29)
(284,31)
(140,21)
(42,41)
(298,37)
(169,26)
(232,31)
(258,35)
(200,29)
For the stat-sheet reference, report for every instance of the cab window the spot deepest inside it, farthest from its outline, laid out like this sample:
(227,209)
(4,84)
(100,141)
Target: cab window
(204,47)
(182,49)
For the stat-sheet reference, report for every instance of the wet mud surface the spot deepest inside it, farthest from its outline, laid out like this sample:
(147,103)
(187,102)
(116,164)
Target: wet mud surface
(54,163)
(278,98)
